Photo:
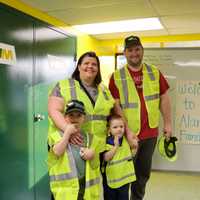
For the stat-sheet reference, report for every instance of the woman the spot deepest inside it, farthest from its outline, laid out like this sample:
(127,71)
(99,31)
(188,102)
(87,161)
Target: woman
(84,86)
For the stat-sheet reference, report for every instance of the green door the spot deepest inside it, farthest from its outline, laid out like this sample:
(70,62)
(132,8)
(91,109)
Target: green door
(54,55)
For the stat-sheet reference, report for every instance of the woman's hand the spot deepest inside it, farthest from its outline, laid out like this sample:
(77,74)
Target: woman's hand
(86,153)
(76,139)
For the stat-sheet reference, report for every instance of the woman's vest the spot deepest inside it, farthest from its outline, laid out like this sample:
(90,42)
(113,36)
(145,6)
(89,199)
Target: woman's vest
(96,117)
(63,173)
(129,98)
(120,170)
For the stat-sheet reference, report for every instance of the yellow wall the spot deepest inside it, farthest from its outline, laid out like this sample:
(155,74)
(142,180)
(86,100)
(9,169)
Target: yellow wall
(110,47)
(86,43)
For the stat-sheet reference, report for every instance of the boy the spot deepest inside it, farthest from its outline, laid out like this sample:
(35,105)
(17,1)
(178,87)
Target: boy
(71,174)
(119,169)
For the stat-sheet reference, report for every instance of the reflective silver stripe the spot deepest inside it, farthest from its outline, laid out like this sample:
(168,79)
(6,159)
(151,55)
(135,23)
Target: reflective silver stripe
(92,182)
(62,177)
(105,95)
(119,161)
(152,97)
(124,84)
(89,139)
(129,105)
(120,179)
(70,175)
(95,117)
(72,89)
(150,72)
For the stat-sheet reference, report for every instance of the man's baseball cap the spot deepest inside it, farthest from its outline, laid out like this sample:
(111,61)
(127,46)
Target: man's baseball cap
(167,148)
(132,41)
(75,106)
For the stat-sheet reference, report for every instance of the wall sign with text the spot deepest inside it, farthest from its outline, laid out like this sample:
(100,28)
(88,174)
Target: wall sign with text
(188,111)
(7,54)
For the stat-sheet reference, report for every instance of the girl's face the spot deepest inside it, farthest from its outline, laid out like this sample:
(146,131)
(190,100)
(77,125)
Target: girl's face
(88,68)
(116,127)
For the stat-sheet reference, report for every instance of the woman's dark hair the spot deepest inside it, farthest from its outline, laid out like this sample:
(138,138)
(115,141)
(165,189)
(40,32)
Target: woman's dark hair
(76,74)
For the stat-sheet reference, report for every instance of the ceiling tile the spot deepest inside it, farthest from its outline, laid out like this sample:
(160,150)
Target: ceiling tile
(181,21)
(119,11)
(174,7)
(51,5)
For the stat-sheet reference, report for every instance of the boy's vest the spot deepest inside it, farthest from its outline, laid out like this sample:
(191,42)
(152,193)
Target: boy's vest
(63,174)
(95,116)
(120,170)
(129,98)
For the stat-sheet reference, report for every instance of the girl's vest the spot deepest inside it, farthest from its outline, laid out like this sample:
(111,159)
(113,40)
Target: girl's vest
(120,170)
(63,174)
(129,98)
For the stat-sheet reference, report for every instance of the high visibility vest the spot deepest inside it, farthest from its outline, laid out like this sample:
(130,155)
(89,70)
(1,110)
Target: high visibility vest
(96,117)
(120,170)
(63,173)
(129,98)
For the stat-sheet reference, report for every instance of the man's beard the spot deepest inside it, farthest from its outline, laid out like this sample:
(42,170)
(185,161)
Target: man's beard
(134,64)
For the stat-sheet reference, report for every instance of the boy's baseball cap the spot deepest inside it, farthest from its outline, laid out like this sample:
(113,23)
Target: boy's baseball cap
(132,41)
(75,106)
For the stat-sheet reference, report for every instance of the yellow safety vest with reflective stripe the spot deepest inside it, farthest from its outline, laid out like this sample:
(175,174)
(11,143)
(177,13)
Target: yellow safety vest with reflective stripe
(129,98)
(120,170)
(95,116)
(63,173)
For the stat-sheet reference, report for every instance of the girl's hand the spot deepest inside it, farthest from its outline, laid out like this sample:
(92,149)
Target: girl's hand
(116,140)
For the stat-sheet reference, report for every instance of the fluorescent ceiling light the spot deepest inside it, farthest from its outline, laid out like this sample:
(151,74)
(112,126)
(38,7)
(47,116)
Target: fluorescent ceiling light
(121,26)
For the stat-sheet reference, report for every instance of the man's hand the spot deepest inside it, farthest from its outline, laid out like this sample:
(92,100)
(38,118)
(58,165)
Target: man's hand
(132,139)
(167,131)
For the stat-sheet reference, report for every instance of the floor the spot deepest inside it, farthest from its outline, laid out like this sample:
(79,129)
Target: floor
(173,186)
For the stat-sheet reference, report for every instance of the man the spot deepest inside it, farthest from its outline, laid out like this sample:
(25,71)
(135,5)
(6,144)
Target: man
(141,92)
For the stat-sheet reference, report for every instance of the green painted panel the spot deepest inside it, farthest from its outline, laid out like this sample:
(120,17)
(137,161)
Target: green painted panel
(14,81)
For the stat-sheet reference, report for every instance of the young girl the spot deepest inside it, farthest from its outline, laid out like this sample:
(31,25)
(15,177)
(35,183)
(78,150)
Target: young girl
(119,169)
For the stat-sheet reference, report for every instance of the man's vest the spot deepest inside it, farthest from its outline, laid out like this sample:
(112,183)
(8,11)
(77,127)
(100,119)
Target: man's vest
(96,117)
(63,173)
(120,170)
(129,98)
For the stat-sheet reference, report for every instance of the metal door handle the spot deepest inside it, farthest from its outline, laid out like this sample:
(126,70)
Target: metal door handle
(38,117)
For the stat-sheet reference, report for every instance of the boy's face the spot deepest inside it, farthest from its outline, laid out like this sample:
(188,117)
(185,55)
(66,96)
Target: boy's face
(116,127)
(75,117)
